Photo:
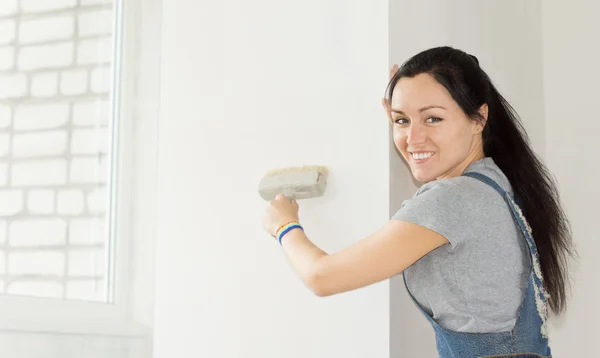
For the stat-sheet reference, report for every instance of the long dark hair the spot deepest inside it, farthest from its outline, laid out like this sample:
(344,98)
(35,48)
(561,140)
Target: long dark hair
(507,143)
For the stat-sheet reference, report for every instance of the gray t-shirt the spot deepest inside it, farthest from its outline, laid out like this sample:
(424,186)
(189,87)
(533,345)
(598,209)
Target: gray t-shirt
(477,282)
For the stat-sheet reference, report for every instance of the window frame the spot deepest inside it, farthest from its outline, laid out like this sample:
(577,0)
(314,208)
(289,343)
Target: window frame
(133,27)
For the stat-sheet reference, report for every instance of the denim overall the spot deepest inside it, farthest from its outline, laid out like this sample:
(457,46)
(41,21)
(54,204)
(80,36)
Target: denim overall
(528,338)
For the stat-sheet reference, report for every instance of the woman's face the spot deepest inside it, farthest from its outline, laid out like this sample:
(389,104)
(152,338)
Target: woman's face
(431,131)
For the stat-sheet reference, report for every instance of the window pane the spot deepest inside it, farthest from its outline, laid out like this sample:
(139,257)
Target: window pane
(56,61)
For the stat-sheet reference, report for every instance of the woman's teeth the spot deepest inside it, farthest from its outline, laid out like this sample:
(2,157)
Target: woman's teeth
(421,156)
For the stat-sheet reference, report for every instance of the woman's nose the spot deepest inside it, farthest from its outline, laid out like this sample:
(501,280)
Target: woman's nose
(416,135)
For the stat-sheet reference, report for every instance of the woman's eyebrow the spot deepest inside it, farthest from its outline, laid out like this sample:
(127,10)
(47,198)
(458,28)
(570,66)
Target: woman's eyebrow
(420,110)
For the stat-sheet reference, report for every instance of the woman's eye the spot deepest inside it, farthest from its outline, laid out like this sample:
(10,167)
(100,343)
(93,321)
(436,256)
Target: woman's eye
(401,121)
(434,120)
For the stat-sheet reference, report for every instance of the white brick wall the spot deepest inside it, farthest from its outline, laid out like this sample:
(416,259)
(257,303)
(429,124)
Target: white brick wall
(55,74)
(91,113)
(84,289)
(12,202)
(100,80)
(13,85)
(44,84)
(87,231)
(5,116)
(40,144)
(97,22)
(48,28)
(89,141)
(88,262)
(52,55)
(2,232)
(40,201)
(88,170)
(8,30)
(7,58)
(97,200)
(46,263)
(94,51)
(41,116)
(2,261)
(4,144)
(46,5)
(39,173)
(70,202)
(8,7)
(74,82)
(36,288)
(3,174)
(37,232)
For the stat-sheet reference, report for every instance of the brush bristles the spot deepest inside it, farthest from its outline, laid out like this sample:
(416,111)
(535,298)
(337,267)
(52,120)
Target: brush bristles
(306,168)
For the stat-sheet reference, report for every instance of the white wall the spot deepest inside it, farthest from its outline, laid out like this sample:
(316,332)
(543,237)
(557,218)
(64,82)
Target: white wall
(511,55)
(245,91)
(571,75)
(246,87)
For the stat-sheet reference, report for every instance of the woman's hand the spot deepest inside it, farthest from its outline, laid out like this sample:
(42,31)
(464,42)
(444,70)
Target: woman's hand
(280,211)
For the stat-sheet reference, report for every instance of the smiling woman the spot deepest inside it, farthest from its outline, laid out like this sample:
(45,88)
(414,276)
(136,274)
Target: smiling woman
(434,135)
(479,258)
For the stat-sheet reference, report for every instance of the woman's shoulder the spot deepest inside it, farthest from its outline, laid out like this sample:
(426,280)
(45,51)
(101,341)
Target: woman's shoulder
(464,186)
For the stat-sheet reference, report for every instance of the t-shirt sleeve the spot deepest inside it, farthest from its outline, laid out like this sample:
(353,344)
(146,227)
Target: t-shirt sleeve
(441,207)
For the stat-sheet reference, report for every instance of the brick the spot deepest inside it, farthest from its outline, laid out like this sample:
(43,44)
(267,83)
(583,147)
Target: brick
(7,58)
(74,82)
(8,7)
(3,228)
(8,30)
(100,80)
(88,262)
(40,144)
(5,116)
(46,56)
(89,231)
(96,201)
(97,22)
(3,174)
(39,172)
(37,263)
(89,141)
(45,289)
(95,2)
(40,201)
(41,116)
(46,29)
(94,51)
(44,84)
(88,170)
(46,5)
(91,113)
(37,232)
(13,85)
(70,202)
(4,144)
(2,261)
(11,202)
(86,290)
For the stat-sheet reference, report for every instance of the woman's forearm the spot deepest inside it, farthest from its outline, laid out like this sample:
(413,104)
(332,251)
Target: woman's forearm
(305,258)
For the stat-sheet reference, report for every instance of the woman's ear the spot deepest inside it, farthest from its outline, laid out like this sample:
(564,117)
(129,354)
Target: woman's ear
(483,113)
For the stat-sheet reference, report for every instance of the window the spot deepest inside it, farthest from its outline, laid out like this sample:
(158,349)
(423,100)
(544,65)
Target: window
(57,127)
(78,126)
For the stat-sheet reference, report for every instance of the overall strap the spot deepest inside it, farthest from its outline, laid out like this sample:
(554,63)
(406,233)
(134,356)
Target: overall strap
(486,180)
(537,279)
